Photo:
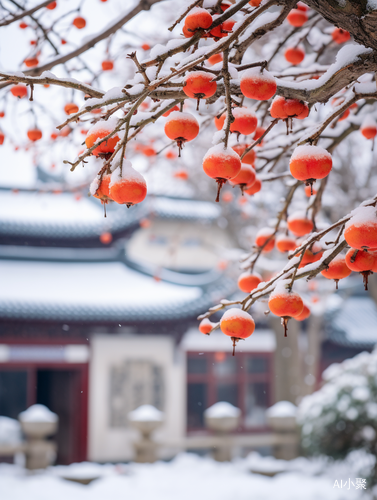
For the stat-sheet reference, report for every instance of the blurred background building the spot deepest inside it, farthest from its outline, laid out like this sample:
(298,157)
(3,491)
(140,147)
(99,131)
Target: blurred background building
(98,316)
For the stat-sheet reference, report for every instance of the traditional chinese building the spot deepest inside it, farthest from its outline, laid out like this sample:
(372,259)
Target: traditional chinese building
(93,330)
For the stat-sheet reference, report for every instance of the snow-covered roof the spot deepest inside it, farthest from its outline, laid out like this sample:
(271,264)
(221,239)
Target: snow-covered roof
(260,341)
(63,216)
(185,209)
(108,291)
(354,322)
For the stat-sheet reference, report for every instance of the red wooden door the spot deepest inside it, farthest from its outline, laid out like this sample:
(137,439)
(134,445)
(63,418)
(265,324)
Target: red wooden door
(63,388)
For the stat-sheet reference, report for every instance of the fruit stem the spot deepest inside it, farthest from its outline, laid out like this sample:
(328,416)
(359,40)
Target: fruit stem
(220,183)
(180,141)
(336,284)
(309,182)
(235,340)
(365,278)
(284,322)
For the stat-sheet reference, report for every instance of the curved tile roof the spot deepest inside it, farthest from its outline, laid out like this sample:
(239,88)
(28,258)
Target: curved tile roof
(354,322)
(98,292)
(48,215)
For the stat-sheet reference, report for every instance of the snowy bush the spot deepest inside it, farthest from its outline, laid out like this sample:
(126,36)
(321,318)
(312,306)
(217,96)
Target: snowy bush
(342,415)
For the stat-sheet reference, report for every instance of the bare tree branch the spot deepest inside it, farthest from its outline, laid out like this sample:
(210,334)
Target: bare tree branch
(143,5)
(24,13)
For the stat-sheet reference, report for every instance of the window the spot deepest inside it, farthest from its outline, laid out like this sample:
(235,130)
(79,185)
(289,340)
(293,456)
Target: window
(13,392)
(256,403)
(191,242)
(197,365)
(196,398)
(158,240)
(243,380)
(257,365)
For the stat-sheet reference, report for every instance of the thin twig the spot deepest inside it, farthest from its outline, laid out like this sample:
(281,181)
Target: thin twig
(184,14)
(228,98)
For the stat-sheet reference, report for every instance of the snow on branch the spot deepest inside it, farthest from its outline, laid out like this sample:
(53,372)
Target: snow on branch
(351,62)
(113,28)
(48,78)
(291,271)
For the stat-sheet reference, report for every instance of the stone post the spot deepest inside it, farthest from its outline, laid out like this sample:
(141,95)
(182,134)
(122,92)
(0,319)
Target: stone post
(223,418)
(281,417)
(146,419)
(38,423)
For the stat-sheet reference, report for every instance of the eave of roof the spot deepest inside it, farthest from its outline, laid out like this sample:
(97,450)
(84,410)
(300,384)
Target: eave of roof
(353,323)
(93,292)
(50,216)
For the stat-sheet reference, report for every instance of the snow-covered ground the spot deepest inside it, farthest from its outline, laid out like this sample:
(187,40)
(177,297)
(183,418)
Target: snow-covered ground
(187,477)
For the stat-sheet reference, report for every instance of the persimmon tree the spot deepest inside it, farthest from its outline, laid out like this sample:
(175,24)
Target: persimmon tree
(266,96)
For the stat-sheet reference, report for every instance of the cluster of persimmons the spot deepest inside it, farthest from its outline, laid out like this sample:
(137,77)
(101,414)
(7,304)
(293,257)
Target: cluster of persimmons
(236,165)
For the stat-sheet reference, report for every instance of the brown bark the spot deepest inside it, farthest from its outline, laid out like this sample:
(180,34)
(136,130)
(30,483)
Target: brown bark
(350,15)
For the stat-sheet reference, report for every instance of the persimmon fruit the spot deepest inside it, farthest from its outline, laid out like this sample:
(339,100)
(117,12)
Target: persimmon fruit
(237,324)
(107,65)
(34,134)
(294,55)
(127,187)
(181,127)
(216,58)
(19,90)
(244,178)
(265,238)
(337,269)
(31,62)
(254,188)
(79,22)
(257,84)
(340,36)
(249,157)
(249,281)
(361,261)
(106,238)
(286,304)
(198,18)
(70,108)
(299,224)
(297,17)
(285,243)
(369,127)
(97,132)
(361,230)
(309,163)
(245,121)
(221,164)
(206,326)
(199,84)
(303,315)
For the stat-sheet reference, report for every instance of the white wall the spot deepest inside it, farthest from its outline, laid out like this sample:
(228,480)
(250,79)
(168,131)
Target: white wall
(106,443)
(172,251)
